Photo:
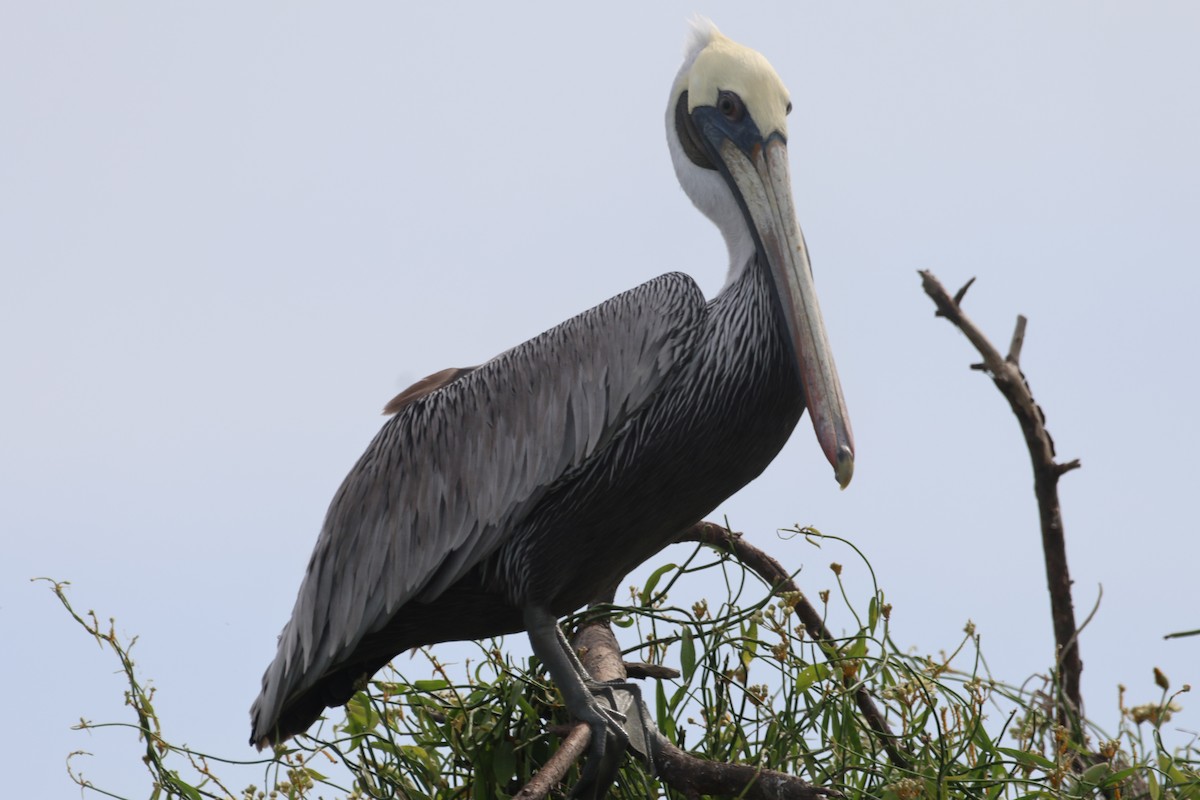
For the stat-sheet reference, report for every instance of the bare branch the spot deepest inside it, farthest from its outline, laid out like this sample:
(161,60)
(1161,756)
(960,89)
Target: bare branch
(696,777)
(1018,341)
(552,773)
(961,293)
(1007,375)
(640,669)
(1067,467)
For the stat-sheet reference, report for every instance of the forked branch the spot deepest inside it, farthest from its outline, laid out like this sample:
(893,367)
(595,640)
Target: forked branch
(1005,372)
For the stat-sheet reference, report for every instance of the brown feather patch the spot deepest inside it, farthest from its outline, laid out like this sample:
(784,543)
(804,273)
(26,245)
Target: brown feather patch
(430,383)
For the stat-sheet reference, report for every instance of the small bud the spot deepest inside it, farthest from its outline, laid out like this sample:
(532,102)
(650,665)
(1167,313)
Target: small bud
(824,595)
(1161,680)
(837,568)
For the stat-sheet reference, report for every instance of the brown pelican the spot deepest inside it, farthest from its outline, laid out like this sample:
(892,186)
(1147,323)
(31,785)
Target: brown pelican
(499,497)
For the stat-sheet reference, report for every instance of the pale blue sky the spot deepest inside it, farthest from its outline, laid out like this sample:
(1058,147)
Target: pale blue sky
(229,233)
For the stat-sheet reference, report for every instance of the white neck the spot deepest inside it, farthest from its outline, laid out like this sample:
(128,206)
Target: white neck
(709,193)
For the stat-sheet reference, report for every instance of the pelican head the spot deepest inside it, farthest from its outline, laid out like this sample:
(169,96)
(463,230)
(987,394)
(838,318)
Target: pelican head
(727,131)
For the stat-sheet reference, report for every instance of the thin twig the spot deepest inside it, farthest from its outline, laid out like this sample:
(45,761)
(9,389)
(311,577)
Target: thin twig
(1018,341)
(771,571)
(640,669)
(1007,375)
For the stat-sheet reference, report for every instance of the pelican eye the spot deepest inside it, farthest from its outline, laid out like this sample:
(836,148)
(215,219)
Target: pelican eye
(731,106)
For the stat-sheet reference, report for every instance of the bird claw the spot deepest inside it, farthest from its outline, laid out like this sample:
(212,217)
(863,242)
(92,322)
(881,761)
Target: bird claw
(614,736)
(607,748)
(640,736)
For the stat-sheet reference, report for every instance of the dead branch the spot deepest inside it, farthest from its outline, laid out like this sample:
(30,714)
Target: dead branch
(771,571)
(1006,374)
(696,777)
(640,669)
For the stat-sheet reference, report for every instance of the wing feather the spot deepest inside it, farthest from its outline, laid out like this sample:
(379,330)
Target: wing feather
(447,477)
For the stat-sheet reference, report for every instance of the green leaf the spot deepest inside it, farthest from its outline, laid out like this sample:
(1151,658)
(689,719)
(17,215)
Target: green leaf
(360,717)
(687,654)
(1185,785)
(186,789)
(749,643)
(652,581)
(431,685)
(504,762)
(1096,774)
(677,697)
(873,614)
(384,746)
(983,741)
(1117,777)
(810,675)
(859,648)
(516,697)
(420,754)
(1026,758)
(666,722)
(1179,634)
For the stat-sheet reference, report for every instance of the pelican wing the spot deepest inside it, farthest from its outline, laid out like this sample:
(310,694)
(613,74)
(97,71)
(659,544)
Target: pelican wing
(447,477)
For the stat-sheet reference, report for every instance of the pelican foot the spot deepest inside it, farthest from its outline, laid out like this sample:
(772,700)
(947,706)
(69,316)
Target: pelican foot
(605,720)
(639,735)
(605,752)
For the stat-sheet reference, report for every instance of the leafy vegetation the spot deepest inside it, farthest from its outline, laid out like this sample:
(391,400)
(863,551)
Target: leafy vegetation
(753,688)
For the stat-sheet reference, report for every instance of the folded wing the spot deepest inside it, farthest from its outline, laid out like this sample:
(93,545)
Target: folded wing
(445,480)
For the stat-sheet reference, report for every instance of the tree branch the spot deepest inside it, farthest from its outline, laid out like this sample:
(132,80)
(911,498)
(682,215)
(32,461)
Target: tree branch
(1007,375)
(697,777)
(552,772)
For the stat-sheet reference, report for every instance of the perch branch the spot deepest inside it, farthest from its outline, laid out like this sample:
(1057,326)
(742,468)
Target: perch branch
(573,746)
(1006,374)
(697,777)
(771,571)
(638,669)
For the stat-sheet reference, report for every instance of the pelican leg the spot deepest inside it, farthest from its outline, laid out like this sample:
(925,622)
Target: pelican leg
(608,689)
(551,646)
